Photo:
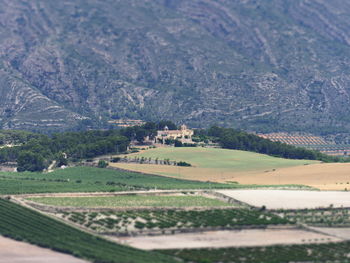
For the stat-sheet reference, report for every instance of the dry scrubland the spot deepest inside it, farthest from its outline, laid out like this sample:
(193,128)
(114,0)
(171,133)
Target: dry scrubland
(220,165)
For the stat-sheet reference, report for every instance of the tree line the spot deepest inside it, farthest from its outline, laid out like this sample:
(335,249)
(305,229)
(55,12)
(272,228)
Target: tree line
(38,153)
(239,140)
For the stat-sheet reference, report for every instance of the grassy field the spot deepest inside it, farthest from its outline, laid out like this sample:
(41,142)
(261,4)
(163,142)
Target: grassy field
(210,163)
(131,201)
(125,221)
(331,252)
(88,179)
(216,158)
(24,224)
(220,165)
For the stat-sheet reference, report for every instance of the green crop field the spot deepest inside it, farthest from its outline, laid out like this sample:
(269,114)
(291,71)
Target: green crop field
(331,252)
(24,224)
(124,221)
(89,179)
(230,160)
(127,201)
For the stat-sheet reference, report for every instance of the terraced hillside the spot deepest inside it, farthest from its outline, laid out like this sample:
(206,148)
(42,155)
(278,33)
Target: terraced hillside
(280,64)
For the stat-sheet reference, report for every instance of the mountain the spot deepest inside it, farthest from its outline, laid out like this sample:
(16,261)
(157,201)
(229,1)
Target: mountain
(255,64)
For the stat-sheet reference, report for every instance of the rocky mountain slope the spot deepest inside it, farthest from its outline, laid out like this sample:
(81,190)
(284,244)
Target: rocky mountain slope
(278,65)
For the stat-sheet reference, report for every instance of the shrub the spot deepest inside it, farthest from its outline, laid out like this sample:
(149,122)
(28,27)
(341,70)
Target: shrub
(184,164)
(115,159)
(102,164)
(178,143)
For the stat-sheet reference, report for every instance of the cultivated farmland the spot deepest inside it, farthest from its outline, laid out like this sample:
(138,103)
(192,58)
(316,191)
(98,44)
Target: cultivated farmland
(127,201)
(213,164)
(220,165)
(171,219)
(332,252)
(222,159)
(318,217)
(24,224)
(90,179)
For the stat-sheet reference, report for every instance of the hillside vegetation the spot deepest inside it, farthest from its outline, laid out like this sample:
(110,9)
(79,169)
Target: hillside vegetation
(265,65)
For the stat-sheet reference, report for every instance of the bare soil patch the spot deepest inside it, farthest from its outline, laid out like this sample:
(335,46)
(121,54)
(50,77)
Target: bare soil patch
(290,199)
(232,238)
(325,176)
(340,232)
(12,251)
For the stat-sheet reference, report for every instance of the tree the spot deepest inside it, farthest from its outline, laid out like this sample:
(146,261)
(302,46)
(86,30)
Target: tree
(29,161)
(169,124)
(102,164)
(140,135)
(178,143)
(61,160)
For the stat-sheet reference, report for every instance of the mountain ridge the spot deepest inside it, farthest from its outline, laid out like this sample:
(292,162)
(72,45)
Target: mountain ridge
(253,64)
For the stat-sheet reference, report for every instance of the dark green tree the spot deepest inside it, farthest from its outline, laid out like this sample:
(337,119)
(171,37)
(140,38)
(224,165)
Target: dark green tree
(61,159)
(29,161)
(102,164)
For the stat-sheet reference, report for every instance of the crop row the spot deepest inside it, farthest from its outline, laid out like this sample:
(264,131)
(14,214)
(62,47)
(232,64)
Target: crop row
(24,224)
(331,252)
(318,217)
(172,219)
(91,179)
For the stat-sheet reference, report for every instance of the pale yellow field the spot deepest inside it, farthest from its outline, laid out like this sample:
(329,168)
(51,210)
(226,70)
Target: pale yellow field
(325,176)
